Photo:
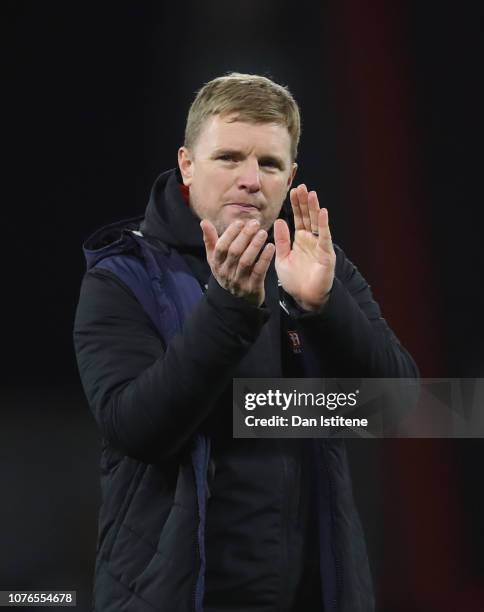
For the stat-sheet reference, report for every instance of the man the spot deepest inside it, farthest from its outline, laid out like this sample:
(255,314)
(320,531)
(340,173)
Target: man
(192,519)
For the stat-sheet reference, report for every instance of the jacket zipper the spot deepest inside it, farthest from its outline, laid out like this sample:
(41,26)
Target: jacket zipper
(197,556)
(205,492)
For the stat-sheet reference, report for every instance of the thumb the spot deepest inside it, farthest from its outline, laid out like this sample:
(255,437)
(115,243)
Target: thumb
(210,236)
(282,239)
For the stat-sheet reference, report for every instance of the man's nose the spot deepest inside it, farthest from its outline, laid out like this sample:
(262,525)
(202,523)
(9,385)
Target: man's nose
(249,175)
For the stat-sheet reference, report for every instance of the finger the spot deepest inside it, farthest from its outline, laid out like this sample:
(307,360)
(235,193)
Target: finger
(324,239)
(282,239)
(210,236)
(241,242)
(296,211)
(313,208)
(261,266)
(249,256)
(226,239)
(302,194)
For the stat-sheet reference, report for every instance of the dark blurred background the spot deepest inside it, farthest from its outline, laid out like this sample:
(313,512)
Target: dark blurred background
(391,95)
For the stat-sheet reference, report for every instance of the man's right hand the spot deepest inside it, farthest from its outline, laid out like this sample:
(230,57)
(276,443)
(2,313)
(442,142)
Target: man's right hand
(234,258)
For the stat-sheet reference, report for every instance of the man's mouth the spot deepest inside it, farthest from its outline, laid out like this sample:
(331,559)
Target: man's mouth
(244,205)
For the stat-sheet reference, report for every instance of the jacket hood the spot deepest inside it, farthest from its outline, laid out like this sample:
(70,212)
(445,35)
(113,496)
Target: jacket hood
(168,217)
(167,220)
(109,239)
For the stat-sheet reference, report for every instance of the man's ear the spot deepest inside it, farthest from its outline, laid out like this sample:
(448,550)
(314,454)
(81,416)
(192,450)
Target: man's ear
(185,163)
(292,175)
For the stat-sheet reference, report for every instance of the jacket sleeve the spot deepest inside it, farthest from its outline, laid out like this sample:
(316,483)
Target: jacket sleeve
(148,399)
(349,335)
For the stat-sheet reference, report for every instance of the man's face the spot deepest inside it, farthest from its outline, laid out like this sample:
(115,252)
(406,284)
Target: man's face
(238,170)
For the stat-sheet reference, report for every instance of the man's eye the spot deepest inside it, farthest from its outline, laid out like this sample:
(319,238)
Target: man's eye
(226,157)
(269,163)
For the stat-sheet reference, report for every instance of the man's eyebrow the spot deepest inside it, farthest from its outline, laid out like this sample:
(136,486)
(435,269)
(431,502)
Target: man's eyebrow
(277,161)
(227,151)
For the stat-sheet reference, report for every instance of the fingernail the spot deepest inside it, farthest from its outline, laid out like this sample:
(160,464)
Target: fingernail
(254,222)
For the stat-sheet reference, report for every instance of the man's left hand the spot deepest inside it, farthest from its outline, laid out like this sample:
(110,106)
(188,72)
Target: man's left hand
(306,270)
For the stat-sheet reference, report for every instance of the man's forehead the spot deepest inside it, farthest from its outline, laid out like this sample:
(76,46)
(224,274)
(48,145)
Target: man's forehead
(228,130)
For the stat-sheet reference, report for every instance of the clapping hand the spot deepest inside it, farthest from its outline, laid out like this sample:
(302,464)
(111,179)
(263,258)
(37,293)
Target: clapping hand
(238,258)
(305,269)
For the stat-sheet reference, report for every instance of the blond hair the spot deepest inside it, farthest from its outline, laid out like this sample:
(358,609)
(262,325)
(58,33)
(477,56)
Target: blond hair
(249,97)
